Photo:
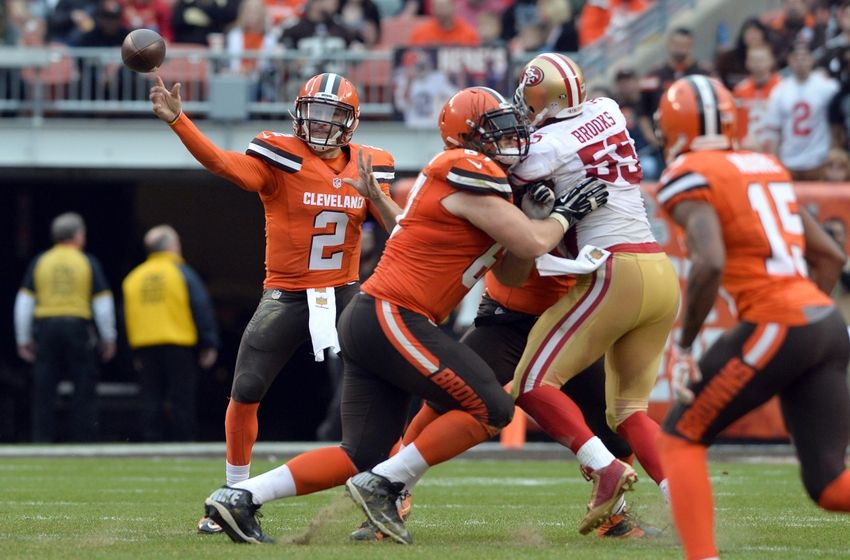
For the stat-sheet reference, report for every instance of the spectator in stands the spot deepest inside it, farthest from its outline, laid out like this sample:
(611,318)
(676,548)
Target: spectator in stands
(421,89)
(490,30)
(832,57)
(529,41)
(69,20)
(797,116)
(839,107)
(517,16)
(559,28)
(171,330)
(319,37)
(193,20)
(284,13)
(836,168)
(443,28)
(752,94)
(599,17)
(730,65)
(108,30)
(63,289)
(251,32)
(628,95)
(363,19)
(795,23)
(680,63)
(150,14)
(471,10)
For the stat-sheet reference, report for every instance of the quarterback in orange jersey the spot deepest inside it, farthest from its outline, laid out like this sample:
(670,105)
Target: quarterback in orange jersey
(315,205)
(746,231)
(457,223)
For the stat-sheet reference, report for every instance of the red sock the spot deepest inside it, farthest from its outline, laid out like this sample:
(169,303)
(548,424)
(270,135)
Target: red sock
(836,496)
(641,432)
(425,416)
(320,469)
(240,431)
(450,435)
(558,415)
(690,494)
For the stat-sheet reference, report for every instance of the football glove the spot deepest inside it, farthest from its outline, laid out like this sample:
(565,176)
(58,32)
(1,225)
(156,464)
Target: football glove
(538,200)
(683,371)
(580,201)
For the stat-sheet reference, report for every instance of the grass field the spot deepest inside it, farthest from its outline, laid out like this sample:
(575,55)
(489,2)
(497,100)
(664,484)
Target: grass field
(147,508)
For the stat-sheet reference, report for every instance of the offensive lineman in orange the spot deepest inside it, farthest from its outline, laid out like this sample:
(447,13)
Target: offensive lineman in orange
(314,210)
(457,223)
(745,230)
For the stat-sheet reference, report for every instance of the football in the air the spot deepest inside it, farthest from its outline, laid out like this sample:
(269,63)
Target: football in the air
(143,50)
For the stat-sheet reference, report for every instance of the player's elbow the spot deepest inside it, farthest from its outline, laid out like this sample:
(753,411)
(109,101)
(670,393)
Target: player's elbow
(709,268)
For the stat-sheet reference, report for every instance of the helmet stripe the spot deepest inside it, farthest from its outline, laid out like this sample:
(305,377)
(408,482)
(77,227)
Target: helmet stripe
(570,82)
(330,83)
(706,99)
(498,96)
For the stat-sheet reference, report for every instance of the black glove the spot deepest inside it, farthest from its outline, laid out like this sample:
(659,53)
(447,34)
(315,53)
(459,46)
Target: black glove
(541,192)
(580,201)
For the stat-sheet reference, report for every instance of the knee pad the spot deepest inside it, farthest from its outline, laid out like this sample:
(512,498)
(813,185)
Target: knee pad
(248,388)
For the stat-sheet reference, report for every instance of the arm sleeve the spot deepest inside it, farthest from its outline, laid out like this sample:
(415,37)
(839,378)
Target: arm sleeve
(202,309)
(245,171)
(24,307)
(103,306)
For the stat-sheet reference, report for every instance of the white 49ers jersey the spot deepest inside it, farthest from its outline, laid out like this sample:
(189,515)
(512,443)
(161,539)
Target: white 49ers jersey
(797,111)
(592,144)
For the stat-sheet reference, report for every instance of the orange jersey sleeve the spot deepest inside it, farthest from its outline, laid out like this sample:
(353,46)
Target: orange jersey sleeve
(433,257)
(244,171)
(534,296)
(754,198)
(313,218)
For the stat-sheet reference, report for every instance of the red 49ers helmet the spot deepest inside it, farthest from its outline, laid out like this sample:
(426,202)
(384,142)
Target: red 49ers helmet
(696,113)
(327,112)
(480,119)
(552,87)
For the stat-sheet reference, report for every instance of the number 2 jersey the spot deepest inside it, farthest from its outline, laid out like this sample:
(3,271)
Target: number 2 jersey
(754,199)
(313,218)
(433,257)
(592,144)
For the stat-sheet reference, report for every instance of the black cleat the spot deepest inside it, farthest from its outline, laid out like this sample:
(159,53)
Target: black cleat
(235,512)
(377,497)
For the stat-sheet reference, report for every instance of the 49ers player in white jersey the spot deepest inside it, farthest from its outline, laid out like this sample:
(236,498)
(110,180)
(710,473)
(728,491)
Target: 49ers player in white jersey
(623,310)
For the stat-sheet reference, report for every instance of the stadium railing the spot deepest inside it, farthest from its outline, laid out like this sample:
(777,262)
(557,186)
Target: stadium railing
(56,81)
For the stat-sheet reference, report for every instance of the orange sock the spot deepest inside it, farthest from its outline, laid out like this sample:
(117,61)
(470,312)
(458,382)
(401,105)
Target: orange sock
(836,496)
(685,465)
(425,416)
(450,435)
(240,431)
(320,469)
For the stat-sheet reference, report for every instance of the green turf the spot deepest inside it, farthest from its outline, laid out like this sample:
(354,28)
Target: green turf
(135,508)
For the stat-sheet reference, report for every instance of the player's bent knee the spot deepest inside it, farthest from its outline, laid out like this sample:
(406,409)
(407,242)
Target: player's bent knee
(622,410)
(249,388)
(501,411)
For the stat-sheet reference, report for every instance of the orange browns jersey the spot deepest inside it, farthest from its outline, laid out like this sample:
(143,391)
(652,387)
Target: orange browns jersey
(433,257)
(536,295)
(313,218)
(754,199)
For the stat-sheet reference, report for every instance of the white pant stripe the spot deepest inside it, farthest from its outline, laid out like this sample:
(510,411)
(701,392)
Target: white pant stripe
(760,348)
(386,310)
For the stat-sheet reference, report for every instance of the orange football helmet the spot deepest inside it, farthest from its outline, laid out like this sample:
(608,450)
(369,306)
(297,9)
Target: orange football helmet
(481,119)
(552,87)
(696,113)
(327,112)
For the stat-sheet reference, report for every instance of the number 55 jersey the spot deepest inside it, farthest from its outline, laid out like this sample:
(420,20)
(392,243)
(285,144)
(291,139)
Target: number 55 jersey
(765,271)
(592,144)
